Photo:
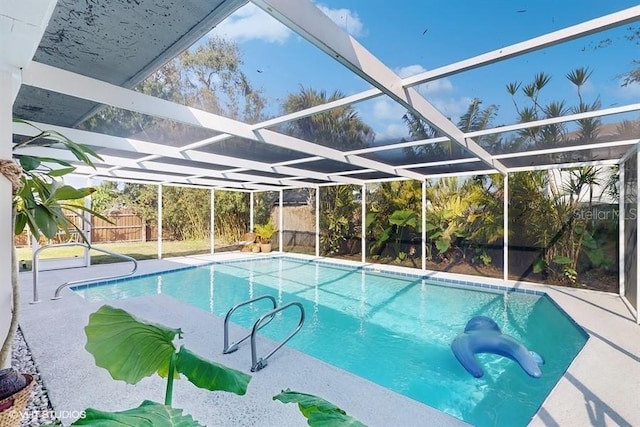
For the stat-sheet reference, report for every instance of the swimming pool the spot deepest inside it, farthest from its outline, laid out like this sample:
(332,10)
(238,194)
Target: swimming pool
(391,329)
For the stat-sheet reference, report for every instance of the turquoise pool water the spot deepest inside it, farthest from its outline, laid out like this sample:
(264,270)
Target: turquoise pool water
(393,330)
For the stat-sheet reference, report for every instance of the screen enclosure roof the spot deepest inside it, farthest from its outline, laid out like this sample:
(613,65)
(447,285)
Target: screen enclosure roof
(73,59)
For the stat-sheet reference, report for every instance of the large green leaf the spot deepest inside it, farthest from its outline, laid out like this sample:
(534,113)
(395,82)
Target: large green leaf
(317,411)
(62,172)
(67,192)
(370,218)
(149,413)
(20,223)
(45,221)
(403,218)
(562,260)
(538,265)
(443,245)
(128,348)
(210,375)
(29,163)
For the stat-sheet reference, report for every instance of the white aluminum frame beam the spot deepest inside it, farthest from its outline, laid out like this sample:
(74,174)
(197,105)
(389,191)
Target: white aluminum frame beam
(611,144)
(303,17)
(569,33)
(150,166)
(165,179)
(72,84)
(556,120)
(143,147)
(583,29)
(348,100)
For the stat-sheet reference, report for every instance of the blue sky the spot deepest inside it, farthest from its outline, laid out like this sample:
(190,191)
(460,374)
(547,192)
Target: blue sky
(413,36)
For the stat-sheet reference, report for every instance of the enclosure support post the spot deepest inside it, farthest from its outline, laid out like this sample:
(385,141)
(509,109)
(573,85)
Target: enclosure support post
(212,222)
(280,222)
(317,221)
(363,212)
(505,228)
(621,218)
(159,211)
(86,226)
(251,202)
(423,219)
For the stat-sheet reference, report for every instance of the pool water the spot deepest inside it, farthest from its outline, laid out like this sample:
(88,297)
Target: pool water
(393,330)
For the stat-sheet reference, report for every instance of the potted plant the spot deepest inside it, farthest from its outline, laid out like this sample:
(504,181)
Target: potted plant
(265,232)
(254,247)
(40,201)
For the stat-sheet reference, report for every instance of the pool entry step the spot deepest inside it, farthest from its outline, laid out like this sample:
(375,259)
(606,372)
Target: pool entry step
(259,363)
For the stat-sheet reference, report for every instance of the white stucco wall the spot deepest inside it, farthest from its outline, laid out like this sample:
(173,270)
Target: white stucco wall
(6,234)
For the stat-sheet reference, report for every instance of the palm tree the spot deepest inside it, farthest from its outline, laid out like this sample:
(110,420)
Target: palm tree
(340,128)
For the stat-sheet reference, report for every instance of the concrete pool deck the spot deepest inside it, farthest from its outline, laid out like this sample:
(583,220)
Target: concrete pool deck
(600,388)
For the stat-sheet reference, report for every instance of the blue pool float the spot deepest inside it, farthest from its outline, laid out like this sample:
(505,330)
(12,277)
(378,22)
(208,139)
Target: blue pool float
(483,335)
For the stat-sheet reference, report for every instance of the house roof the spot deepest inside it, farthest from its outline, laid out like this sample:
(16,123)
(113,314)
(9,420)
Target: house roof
(87,55)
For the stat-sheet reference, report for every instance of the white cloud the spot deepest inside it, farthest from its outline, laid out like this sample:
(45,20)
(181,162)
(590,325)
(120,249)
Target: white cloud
(629,91)
(410,70)
(394,132)
(439,92)
(251,23)
(386,109)
(452,107)
(433,88)
(345,19)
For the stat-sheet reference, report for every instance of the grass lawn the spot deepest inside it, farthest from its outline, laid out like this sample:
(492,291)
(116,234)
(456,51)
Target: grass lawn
(137,250)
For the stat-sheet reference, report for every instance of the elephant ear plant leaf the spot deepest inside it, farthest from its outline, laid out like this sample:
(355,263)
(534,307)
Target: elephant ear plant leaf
(131,349)
(209,375)
(149,414)
(128,348)
(317,411)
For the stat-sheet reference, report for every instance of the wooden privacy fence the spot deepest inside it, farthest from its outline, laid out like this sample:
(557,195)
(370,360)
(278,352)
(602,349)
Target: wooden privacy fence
(125,227)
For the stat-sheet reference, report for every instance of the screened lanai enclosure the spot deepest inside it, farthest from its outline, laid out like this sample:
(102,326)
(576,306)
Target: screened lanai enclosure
(486,139)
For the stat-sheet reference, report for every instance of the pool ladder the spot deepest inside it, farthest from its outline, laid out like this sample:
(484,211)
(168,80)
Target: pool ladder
(259,363)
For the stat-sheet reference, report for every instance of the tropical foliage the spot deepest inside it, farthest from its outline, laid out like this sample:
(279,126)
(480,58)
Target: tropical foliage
(43,203)
(545,206)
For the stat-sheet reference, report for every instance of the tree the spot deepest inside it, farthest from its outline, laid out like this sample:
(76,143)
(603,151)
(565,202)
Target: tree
(340,128)
(544,205)
(633,75)
(208,77)
(216,82)
(142,199)
(185,213)
(105,197)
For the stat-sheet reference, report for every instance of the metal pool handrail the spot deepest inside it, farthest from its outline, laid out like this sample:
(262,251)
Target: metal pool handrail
(35,268)
(234,346)
(257,364)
